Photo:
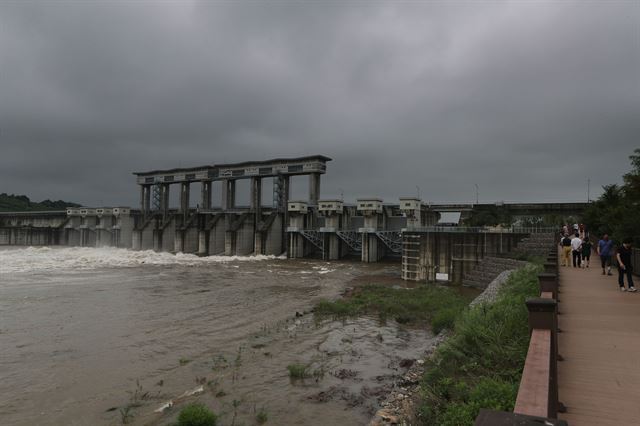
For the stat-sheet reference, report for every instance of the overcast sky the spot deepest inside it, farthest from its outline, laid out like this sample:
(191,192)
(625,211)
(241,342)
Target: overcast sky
(526,99)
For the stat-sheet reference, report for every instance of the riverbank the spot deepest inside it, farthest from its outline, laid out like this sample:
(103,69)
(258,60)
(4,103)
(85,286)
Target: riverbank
(475,365)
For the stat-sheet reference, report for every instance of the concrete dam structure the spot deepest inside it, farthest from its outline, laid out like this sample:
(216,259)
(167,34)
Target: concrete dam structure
(76,226)
(330,229)
(229,229)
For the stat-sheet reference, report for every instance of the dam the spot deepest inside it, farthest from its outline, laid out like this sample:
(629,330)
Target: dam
(370,230)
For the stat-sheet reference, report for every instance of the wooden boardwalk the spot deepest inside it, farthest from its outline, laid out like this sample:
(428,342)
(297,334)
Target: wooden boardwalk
(599,379)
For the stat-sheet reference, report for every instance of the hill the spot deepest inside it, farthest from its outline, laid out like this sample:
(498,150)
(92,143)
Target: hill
(22,203)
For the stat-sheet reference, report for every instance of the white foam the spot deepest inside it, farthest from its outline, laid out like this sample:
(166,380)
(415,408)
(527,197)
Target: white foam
(41,259)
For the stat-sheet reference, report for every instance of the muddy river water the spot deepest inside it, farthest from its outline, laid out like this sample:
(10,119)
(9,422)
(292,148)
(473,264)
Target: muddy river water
(106,336)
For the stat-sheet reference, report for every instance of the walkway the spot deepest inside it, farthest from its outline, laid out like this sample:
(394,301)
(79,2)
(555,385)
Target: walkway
(599,379)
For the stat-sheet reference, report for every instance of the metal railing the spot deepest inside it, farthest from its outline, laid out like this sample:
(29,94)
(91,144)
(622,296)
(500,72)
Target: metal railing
(483,229)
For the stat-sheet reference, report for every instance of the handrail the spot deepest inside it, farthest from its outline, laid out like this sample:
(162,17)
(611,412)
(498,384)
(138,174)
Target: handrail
(538,392)
(537,397)
(533,394)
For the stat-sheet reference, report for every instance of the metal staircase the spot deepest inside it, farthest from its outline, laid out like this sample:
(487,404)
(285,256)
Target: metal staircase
(352,238)
(314,237)
(392,239)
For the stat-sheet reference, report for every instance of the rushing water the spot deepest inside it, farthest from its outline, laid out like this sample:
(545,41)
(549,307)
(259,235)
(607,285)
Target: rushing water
(84,333)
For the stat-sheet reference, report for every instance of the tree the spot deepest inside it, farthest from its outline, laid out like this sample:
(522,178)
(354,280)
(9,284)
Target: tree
(617,211)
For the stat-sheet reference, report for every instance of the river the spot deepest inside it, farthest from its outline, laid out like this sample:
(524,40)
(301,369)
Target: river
(105,336)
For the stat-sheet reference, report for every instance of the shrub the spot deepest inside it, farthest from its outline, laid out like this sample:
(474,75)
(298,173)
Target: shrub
(298,371)
(262,417)
(196,415)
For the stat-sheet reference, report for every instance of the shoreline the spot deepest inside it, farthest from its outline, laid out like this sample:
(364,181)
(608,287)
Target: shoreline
(399,408)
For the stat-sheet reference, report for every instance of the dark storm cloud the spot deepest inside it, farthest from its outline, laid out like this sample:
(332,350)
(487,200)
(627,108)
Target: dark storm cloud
(526,99)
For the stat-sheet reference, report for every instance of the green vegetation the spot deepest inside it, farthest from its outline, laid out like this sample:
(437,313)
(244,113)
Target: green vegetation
(490,216)
(480,365)
(22,203)
(304,371)
(262,417)
(196,415)
(438,306)
(536,260)
(126,415)
(298,371)
(617,211)
(184,361)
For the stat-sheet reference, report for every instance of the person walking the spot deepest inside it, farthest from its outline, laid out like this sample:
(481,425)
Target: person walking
(565,243)
(623,256)
(605,246)
(576,250)
(586,252)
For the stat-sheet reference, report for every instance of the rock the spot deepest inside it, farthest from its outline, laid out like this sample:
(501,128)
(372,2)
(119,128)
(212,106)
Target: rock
(406,363)
(164,407)
(384,417)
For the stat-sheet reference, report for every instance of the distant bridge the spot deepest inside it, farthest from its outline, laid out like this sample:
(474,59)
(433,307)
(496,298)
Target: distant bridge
(523,209)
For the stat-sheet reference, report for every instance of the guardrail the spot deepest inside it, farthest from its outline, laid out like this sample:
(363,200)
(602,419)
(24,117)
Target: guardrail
(479,229)
(537,400)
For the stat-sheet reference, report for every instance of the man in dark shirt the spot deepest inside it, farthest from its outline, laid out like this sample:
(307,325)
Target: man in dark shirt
(624,265)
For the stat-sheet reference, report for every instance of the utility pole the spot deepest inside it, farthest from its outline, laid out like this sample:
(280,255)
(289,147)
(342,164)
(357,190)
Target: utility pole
(588,190)
(477,197)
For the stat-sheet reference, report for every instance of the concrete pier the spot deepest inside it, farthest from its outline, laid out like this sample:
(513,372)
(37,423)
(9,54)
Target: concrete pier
(374,220)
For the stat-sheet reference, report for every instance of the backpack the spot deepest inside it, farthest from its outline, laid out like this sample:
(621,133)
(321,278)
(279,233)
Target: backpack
(566,242)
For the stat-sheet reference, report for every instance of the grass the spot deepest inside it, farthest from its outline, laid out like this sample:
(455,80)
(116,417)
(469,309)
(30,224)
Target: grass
(298,371)
(126,415)
(438,306)
(480,365)
(536,260)
(262,417)
(196,415)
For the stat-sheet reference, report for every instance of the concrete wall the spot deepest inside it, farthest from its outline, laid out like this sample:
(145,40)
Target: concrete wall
(72,237)
(190,240)
(270,242)
(217,238)
(167,236)
(125,224)
(426,254)
(30,236)
(241,241)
